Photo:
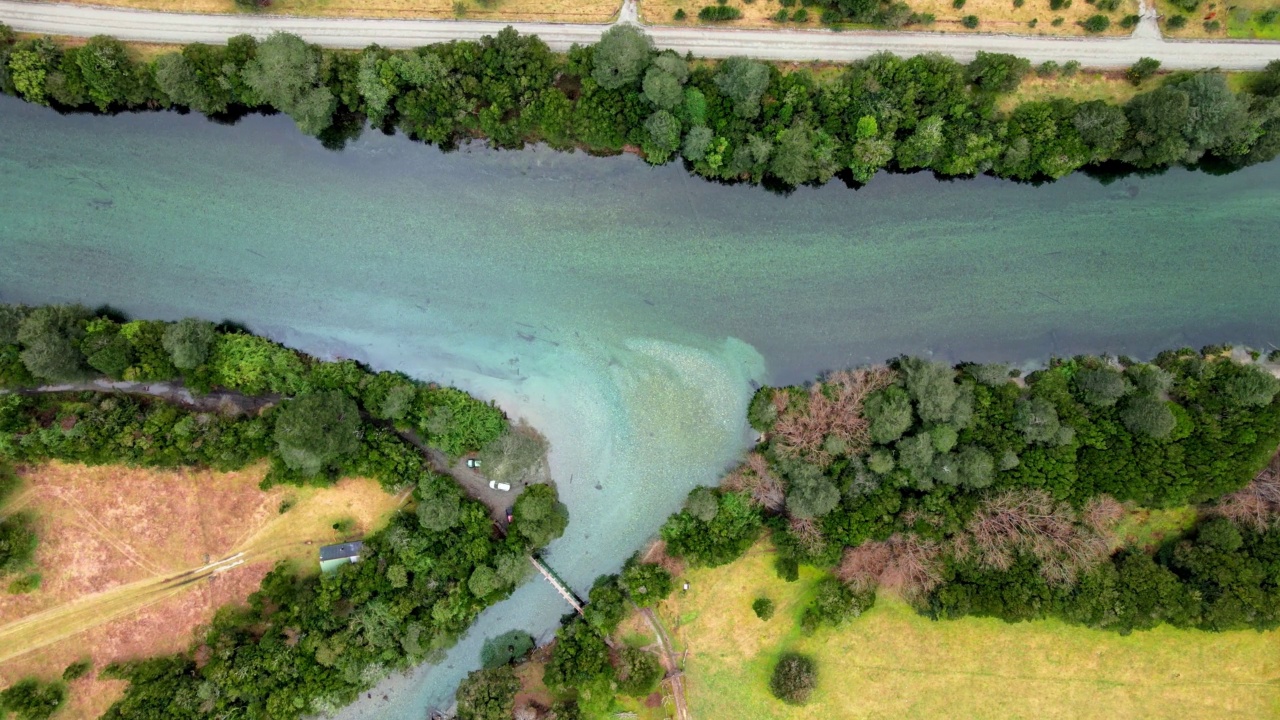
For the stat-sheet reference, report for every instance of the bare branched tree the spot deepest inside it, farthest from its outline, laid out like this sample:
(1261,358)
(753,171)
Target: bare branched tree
(1256,505)
(754,478)
(833,410)
(806,531)
(1102,514)
(904,562)
(1031,521)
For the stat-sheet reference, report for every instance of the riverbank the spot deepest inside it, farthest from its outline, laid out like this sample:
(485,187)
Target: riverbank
(780,128)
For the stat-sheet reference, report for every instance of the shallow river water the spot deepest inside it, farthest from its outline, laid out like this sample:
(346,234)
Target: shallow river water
(624,310)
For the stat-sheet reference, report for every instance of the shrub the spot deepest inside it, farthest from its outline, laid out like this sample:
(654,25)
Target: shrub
(970,21)
(1128,22)
(1070,68)
(1096,23)
(957,4)
(31,699)
(1107,5)
(1059,4)
(794,678)
(1057,22)
(801,15)
(77,670)
(719,13)
(1177,22)
(780,16)
(763,608)
(1019,3)
(1212,26)
(680,14)
(1265,18)
(1141,71)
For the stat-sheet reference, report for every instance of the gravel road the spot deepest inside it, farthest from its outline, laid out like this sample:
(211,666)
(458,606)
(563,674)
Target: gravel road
(145,26)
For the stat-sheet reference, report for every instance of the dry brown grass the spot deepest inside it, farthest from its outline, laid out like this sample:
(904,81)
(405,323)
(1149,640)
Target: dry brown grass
(582,11)
(996,16)
(118,550)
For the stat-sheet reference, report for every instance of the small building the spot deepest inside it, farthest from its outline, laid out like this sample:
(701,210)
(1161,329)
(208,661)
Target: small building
(333,556)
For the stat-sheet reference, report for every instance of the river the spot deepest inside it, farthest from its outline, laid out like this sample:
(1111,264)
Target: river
(624,310)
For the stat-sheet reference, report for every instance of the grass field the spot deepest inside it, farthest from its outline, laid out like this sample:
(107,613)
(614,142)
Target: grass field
(995,16)
(130,560)
(585,11)
(892,663)
(1237,19)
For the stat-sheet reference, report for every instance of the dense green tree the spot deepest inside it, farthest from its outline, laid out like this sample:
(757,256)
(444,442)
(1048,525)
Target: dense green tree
(638,672)
(664,136)
(645,583)
(1037,419)
(606,605)
(188,342)
(702,504)
(110,77)
(488,694)
(286,72)
(835,603)
(998,72)
(763,608)
(1147,416)
(662,89)
(538,515)
(810,493)
(314,431)
(1102,127)
(696,143)
(1100,386)
(50,337)
(1252,386)
(735,527)
(621,56)
(743,81)
(1142,70)
(794,678)
(579,656)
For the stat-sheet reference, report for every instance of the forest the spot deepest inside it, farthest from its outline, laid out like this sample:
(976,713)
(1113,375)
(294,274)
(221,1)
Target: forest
(732,120)
(304,644)
(972,491)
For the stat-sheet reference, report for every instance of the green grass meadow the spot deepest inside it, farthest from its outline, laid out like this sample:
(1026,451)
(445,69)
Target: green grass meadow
(893,663)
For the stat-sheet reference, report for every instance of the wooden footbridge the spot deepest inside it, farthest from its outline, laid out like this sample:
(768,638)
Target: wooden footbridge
(557,583)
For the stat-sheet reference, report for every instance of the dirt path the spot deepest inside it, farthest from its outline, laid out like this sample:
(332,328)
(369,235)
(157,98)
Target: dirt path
(85,613)
(669,663)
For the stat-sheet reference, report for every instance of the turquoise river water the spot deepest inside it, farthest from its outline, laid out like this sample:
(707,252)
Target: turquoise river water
(625,310)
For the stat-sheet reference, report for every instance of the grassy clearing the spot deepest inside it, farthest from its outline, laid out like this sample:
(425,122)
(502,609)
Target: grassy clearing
(1148,528)
(892,663)
(123,554)
(995,16)
(1237,19)
(586,11)
(1081,87)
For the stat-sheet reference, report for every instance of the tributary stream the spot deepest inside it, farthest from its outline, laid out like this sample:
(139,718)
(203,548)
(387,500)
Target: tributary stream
(625,310)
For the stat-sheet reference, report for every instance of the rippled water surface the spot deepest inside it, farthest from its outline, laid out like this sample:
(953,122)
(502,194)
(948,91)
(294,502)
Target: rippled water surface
(625,310)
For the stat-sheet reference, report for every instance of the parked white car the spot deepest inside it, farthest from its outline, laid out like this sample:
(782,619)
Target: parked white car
(495,485)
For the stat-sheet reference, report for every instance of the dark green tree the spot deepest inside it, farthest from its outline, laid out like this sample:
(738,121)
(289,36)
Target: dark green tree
(794,678)
(538,515)
(621,56)
(50,337)
(287,73)
(743,81)
(1142,70)
(488,694)
(315,431)
(645,583)
(638,672)
(188,342)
